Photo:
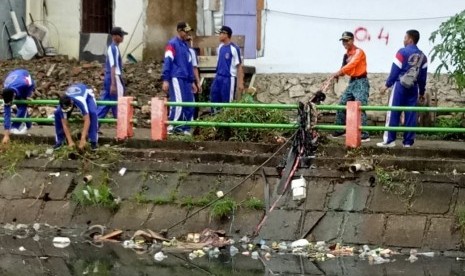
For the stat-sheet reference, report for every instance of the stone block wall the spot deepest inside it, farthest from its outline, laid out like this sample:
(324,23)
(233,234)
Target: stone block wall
(290,88)
(340,207)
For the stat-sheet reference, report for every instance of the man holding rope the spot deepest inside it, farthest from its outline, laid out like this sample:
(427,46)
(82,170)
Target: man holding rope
(354,64)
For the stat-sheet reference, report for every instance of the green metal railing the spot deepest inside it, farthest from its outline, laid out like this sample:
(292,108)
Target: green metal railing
(51,120)
(319,107)
(264,106)
(228,124)
(234,105)
(55,102)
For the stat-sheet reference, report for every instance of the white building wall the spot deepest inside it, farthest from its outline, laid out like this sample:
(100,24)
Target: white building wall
(130,15)
(302,36)
(64,23)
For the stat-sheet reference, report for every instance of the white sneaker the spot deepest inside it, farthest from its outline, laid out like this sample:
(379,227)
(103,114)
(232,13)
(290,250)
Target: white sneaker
(407,146)
(386,145)
(187,132)
(21,131)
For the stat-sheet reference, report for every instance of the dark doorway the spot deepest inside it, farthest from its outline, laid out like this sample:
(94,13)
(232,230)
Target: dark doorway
(97,16)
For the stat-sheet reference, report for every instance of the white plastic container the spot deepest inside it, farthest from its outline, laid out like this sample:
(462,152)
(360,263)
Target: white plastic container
(61,242)
(299,188)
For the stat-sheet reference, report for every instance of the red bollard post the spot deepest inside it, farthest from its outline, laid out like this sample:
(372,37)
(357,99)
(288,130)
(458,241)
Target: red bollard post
(124,126)
(159,117)
(353,123)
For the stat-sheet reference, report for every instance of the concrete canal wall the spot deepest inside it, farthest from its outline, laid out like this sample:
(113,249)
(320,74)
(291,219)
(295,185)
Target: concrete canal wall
(413,198)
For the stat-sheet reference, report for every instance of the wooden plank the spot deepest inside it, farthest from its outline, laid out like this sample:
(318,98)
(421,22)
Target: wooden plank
(207,61)
(260,7)
(213,41)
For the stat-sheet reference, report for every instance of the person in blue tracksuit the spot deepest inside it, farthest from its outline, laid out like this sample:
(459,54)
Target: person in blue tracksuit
(406,58)
(18,85)
(178,78)
(229,73)
(113,85)
(81,96)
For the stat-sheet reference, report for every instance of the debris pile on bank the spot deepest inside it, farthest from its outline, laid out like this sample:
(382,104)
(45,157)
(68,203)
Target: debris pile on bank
(54,74)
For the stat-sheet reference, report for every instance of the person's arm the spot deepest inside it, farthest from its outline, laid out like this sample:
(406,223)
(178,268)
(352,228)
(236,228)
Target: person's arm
(112,60)
(84,132)
(422,75)
(240,72)
(113,88)
(67,132)
(7,124)
(82,106)
(195,67)
(167,66)
(197,79)
(395,69)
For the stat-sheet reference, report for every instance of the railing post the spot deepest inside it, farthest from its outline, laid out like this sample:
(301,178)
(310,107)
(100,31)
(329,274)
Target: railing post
(124,127)
(353,123)
(159,117)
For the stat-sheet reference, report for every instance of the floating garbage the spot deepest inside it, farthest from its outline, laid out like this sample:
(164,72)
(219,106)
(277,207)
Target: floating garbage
(196,254)
(219,194)
(412,258)
(245,239)
(57,174)
(427,254)
(36,226)
(233,251)
(112,236)
(22,249)
(122,171)
(265,247)
(255,255)
(215,253)
(282,246)
(193,237)
(300,243)
(61,242)
(159,256)
(87,178)
(129,244)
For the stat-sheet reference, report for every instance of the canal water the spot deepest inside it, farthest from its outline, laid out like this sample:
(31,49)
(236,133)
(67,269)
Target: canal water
(26,255)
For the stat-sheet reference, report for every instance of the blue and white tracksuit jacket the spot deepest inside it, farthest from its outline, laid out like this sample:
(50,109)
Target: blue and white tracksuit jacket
(179,72)
(84,99)
(22,83)
(224,85)
(405,59)
(113,60)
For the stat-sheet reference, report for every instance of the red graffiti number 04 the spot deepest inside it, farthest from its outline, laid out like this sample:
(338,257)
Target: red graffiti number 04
(362,34)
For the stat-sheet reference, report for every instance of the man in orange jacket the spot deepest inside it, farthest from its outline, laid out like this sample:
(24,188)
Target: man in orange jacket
(354,65)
